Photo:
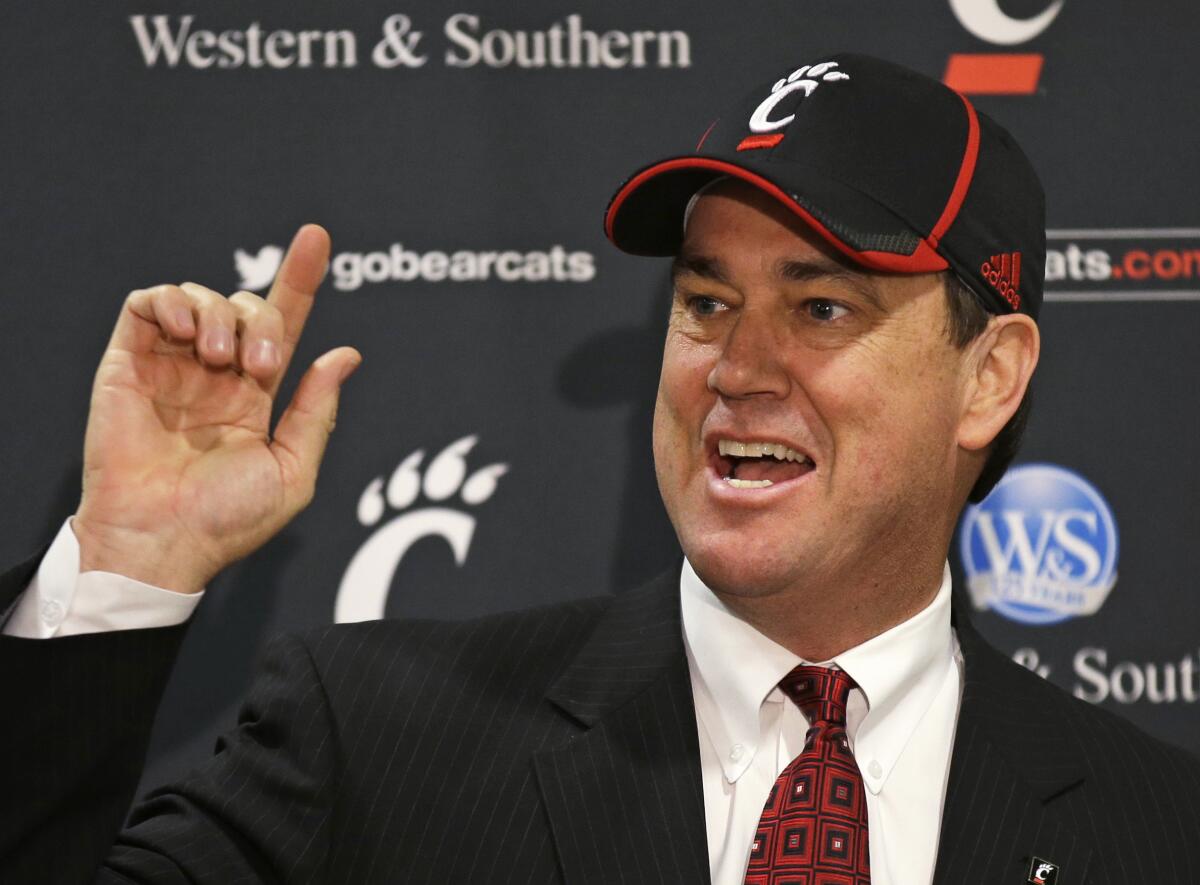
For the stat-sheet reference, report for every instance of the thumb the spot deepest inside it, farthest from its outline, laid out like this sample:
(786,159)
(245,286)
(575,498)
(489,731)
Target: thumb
(305,425)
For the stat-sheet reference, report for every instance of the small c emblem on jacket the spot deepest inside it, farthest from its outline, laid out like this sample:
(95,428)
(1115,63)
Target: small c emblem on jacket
(1042,872)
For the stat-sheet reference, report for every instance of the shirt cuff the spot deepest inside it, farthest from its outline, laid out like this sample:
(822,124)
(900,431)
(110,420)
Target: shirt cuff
(60,601)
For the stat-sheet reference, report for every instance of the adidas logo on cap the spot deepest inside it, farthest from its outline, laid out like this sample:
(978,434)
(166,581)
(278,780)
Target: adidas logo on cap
(1003,273)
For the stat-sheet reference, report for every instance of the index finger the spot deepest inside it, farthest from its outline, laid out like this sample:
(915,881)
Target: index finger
(292,293)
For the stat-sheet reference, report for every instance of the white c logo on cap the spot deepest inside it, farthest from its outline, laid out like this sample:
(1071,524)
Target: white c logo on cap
(985,20)
(759,120)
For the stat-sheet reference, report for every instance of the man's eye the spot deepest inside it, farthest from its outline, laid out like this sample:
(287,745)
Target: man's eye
(704,305)
(824,310)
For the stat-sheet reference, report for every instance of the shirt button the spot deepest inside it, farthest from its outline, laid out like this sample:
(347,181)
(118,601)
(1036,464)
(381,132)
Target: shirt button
(874,768)
(736,752)
(52,613)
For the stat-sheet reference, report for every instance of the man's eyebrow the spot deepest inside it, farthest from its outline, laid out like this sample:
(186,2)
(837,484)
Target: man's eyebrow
(803,271)
(699,265)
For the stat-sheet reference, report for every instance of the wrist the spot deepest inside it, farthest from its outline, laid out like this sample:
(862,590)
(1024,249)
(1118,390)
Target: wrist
(141,555)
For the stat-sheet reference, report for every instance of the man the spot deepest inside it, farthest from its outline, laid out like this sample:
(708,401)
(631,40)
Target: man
(845,365)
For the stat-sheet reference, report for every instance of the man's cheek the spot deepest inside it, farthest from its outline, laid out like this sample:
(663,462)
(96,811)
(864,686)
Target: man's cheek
(683,400)
(860,407)
(868,471)
(668,443)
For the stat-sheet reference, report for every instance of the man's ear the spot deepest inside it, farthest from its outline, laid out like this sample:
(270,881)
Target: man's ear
(1000,364)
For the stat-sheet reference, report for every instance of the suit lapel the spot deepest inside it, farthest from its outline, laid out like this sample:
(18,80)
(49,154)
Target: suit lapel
(624,798)
(1005,774)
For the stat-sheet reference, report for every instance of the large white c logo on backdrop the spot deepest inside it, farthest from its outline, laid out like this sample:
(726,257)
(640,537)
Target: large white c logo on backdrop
(985,20)
(363,592)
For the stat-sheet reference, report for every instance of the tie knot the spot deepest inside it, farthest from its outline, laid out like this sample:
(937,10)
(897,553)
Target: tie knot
(819,692)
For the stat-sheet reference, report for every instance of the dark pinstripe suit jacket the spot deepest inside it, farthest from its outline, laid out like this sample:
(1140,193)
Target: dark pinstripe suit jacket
(556,745)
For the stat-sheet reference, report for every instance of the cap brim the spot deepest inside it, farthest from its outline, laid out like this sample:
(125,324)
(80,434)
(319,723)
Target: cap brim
(645,216)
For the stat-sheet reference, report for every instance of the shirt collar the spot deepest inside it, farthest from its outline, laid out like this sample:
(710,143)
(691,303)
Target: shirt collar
(899,673)
(728,697)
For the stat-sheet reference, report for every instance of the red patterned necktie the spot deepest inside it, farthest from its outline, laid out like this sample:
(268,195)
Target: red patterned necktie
(813,829)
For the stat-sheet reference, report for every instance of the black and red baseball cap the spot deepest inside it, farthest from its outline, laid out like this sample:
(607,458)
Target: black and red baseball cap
(895,170)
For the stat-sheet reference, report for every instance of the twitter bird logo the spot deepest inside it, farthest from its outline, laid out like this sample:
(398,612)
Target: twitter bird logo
(257,271)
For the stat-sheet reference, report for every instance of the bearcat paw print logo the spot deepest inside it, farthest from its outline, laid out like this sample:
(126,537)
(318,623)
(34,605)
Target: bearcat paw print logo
(363,592)
(804,79)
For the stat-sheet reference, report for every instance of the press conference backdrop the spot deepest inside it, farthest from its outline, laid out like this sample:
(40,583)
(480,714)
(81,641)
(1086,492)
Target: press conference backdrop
(493,452)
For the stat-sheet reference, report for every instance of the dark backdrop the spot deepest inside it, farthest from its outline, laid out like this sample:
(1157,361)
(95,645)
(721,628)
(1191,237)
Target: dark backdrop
(132,159)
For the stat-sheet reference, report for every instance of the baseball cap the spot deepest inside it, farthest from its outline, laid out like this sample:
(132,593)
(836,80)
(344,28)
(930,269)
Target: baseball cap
(892,168)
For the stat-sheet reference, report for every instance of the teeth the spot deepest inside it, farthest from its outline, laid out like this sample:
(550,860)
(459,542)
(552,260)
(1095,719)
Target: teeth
(778,451)
(748,483)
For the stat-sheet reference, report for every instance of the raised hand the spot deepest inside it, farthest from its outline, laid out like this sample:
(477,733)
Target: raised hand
(181,473)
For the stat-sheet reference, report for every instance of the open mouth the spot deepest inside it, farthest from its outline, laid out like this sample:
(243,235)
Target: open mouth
(758,465)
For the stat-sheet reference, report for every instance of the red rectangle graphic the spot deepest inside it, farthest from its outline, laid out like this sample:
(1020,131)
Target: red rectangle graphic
(751,142)
(994,73)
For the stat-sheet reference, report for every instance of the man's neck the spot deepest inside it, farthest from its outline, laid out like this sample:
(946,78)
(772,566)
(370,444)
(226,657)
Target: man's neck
(819,620)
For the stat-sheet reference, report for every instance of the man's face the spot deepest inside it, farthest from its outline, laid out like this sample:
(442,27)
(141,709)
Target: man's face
(848,378)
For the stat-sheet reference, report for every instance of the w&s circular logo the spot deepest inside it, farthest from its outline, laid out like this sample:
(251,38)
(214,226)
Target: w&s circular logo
(1041,548)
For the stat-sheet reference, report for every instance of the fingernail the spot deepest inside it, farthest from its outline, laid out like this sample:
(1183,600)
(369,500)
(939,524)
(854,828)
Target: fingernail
(348,370)
(220,341)
(265,354)
(183,318)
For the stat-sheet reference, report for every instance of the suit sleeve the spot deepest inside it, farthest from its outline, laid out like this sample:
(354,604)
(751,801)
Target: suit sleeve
(260,810)
(77,719)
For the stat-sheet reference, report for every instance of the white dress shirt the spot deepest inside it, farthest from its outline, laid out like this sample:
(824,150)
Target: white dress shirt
(900,721)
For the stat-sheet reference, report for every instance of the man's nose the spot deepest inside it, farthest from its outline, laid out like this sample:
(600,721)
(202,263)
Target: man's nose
(750,363)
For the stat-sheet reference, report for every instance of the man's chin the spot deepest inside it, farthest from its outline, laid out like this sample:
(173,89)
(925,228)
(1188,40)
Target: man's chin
(742,567)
